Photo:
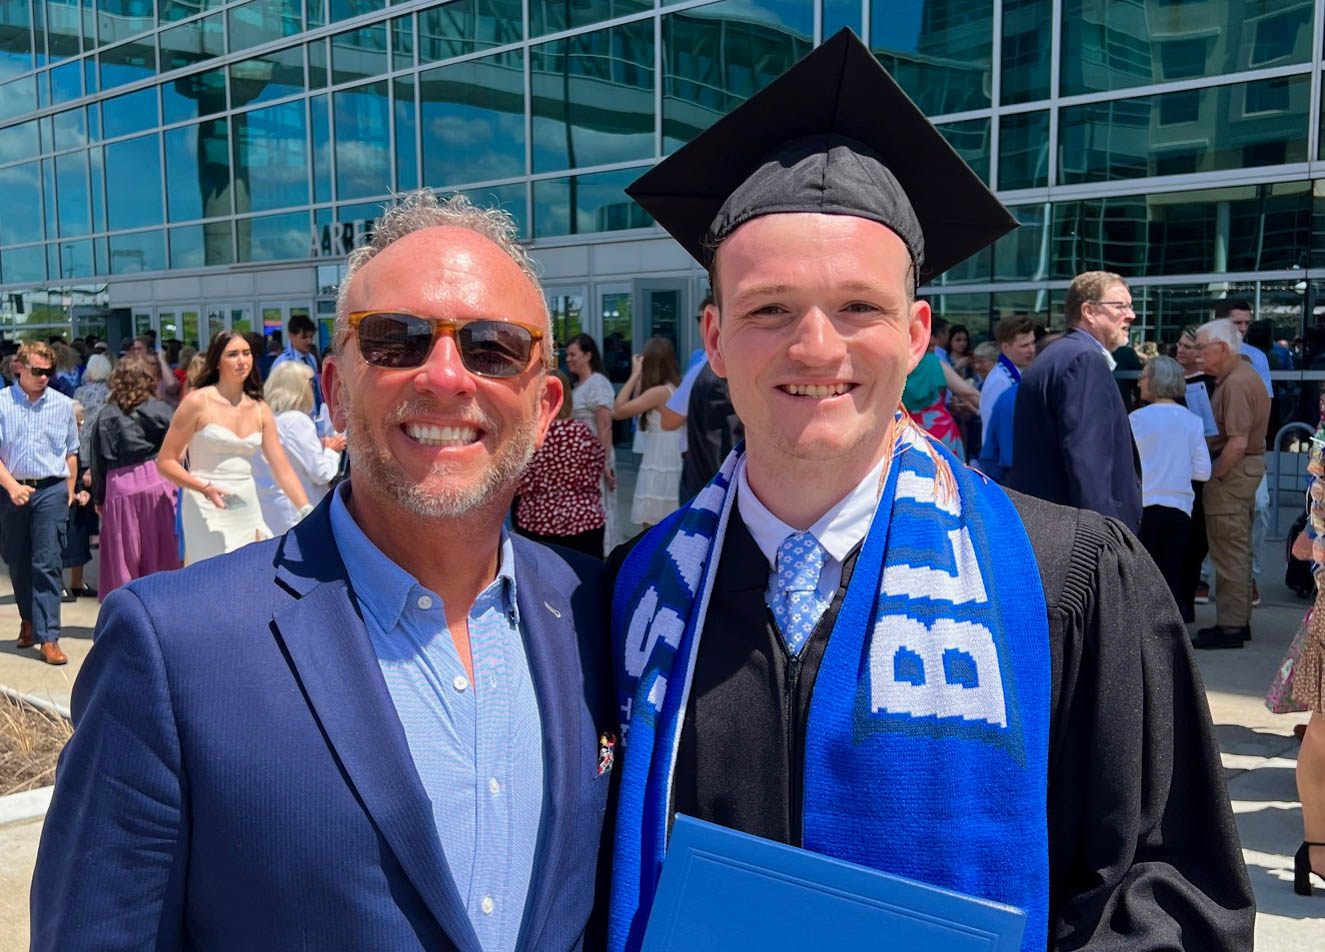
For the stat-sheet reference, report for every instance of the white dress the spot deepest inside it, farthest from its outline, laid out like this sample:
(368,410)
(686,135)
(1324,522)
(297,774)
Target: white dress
(219,457)
(657,487)
(585,398)
(313,464)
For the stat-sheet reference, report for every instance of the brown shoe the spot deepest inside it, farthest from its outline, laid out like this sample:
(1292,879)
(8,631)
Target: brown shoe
(51,653)
(25,635)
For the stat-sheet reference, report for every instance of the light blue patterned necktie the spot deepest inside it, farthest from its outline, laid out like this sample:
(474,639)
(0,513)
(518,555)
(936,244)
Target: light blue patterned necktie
(793,591)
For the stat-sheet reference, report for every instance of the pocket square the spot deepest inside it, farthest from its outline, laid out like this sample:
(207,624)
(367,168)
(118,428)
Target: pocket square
(606,752)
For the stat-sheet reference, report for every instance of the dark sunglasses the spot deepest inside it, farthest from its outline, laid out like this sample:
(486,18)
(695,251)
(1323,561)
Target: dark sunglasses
(398,340)
(40,371)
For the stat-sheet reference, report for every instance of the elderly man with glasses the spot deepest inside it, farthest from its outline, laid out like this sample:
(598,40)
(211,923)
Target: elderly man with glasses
(1072,441)
(1241,409)
(390,728)
(38,463)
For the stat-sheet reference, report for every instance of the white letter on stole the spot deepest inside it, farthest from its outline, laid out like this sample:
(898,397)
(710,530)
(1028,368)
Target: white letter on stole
(927,693)
(645,630)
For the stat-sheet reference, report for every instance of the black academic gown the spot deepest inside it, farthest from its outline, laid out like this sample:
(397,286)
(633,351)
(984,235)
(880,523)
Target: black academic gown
(1143,851)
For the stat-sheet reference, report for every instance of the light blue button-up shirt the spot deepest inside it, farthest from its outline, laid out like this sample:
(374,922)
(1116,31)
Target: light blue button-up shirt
(37,437)
(310,362)
(478,747)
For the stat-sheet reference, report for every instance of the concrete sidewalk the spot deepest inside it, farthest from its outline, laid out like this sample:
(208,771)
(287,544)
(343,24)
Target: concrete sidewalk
(1258,748)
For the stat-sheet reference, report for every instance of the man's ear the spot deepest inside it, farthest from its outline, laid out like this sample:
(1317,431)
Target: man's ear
(713,340)
(333,383)
(919,317)
(549,403)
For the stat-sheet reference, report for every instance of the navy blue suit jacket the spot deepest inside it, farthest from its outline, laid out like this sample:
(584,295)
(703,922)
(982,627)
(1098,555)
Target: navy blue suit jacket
(238,777)
(1071,439)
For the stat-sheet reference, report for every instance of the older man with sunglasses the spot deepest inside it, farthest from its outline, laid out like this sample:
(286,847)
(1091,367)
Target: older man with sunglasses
(391,728)
(38,463)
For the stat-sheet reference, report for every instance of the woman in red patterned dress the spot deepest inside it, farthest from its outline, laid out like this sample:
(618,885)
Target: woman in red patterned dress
(558,499)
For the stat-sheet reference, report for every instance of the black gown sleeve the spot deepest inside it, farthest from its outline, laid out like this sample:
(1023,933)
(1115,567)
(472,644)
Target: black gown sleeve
(1144,853)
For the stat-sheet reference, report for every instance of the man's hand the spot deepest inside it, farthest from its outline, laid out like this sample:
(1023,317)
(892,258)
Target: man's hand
(336,443)
(20,494)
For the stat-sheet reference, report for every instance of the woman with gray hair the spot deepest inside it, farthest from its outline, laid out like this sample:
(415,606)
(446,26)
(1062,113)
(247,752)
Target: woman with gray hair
(1171,441)
(289,393)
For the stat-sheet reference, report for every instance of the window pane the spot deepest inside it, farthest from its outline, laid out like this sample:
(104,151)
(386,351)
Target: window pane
(344,9)
(15,38)
(407,128)
(553,16)
(358,54)
(143,251)
(320,113)
(133,112)
(937,50)
(509,198)
(1229,127)
(274,238)
(117,19)
(363,153)
(133,183)
(198,246)
(192,43)
(593,98)
(1023,150)
(70,128)
(20,265)
(402,42)
(198,171)
(18,98)
(1247,228)
(1021,254)
(97,166)
(170,10)
(463,26)
(473,120)
(19,142)
(64,29)
(263,78)
(66,83)
(969,310)
(1026,38)
(20,193)
(840,13)
(717,56)
(48,189)
(73,259)
(128,63)
(971,140)
(271,158)
(71,183)
(1110,45)
(261,21)
(581,204)
(193,96)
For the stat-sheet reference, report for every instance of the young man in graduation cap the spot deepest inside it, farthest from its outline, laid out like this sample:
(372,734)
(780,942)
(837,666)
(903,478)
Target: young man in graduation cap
(850,642)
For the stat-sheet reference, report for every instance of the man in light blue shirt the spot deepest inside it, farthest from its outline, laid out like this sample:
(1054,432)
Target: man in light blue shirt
(38,463)
(392,727)
(302,331)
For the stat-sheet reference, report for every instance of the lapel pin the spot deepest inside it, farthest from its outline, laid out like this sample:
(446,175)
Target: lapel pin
(606,752)
(555,613)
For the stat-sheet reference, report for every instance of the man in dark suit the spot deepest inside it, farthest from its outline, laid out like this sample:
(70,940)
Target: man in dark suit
(1072,443)
(385,729)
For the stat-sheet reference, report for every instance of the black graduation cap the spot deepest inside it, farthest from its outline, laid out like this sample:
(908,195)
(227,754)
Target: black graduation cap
(834,134)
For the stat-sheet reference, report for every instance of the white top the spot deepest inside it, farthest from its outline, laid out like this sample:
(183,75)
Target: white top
(839,530)
(313,463)
(1171,441)
(998,380)
(679,401)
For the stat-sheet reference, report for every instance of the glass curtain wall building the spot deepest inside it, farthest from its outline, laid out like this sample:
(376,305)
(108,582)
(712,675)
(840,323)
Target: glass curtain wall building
(189,165)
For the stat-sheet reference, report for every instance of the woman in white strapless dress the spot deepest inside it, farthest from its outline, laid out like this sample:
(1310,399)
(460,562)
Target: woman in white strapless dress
(219,427)
(653,380)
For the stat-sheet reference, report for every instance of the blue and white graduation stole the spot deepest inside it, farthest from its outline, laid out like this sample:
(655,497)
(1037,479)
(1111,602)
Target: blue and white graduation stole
(1010,367)
(927,736)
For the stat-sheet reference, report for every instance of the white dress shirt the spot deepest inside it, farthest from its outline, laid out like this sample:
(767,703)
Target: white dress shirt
(313,464)
(839,530)
(998,380)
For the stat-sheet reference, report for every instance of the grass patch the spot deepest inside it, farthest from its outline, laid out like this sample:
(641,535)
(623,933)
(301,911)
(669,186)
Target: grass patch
(30,743)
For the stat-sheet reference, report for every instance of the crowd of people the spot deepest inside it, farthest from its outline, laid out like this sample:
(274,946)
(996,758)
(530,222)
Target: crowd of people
(155,457)
(844,639)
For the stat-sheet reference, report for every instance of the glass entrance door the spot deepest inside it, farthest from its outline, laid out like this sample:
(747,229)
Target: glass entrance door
(181,324)
(616,310)
(662,307)
(566,306)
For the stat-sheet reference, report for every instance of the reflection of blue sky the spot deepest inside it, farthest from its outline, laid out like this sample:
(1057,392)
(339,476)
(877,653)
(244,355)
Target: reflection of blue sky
(796,15)
(133,182)
(21,187)
(71,186)
(276,237)
(18,98)
(895,25)
(272,151)
(19,142)
(363,160)
(23,264)
(145,251)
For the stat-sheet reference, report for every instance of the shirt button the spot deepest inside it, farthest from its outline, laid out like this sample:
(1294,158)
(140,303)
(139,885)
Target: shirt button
(460,682)
(494,787)
(425,602)
(487,905)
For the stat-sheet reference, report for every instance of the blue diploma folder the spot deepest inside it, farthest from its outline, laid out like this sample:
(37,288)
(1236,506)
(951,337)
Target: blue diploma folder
(723,890)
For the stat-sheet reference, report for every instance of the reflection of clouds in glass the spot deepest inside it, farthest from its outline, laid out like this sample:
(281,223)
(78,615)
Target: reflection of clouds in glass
(279,237)
(18,98)
(471,145)
(21,187)
(362,169)
(133,183)
(18,142)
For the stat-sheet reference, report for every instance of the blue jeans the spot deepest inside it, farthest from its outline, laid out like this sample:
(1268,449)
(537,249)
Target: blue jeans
(33,538)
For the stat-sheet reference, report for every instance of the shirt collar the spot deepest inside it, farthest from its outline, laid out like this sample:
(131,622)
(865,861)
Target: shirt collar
(382,587)
(1108,357)
(21,396)
(839,530)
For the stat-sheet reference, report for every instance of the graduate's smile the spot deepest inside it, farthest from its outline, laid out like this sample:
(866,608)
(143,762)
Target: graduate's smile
(818,390)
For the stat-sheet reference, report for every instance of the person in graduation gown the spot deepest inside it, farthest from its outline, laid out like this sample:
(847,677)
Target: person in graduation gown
(850,642)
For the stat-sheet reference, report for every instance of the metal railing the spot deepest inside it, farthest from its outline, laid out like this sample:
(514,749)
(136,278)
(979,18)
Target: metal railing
(1274,472)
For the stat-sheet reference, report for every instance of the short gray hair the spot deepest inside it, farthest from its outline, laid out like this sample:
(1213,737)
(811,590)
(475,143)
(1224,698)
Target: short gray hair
(289,387)
(988,350)
(1166,378)
(98,368)
(1222,329)
(422,209)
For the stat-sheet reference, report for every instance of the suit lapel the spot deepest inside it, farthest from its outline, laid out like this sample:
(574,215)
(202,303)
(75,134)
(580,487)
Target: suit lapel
(552,647)
(330,650)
